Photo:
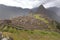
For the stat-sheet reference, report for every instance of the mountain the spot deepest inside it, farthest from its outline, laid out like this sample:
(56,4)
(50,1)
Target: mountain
(54,9)
(54,13)
(41,9)
(33,19)
(28,24)
(27,18)
(7,12)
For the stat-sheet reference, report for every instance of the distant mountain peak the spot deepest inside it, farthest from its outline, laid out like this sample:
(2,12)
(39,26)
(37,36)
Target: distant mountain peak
(41,9)
(41,6)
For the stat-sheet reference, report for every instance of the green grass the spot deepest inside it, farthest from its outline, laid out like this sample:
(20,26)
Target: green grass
(37,16)
(31,34)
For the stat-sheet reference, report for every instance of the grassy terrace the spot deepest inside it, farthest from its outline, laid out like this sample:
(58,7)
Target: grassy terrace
(33,35)
(30,34)
(37,16)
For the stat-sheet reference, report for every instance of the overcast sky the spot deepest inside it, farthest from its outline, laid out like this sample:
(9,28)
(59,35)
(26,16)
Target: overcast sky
(31,3)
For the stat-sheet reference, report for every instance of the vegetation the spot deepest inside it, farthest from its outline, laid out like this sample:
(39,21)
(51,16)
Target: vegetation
(33,35)
(58,25)
(37,16)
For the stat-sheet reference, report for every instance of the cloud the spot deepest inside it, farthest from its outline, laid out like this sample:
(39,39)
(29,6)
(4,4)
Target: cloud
(31,3)
(52,3)
(21,3)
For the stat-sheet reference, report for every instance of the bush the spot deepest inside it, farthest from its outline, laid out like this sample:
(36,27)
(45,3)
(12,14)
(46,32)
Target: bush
(58,26)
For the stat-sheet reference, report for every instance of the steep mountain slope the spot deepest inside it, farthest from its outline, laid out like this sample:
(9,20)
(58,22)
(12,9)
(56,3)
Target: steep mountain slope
(52,13)
(55,13)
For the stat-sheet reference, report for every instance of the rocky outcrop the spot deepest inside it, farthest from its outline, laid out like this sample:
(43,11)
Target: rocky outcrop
(2,37)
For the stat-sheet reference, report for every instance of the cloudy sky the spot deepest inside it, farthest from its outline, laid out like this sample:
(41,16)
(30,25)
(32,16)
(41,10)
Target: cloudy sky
(31,3)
